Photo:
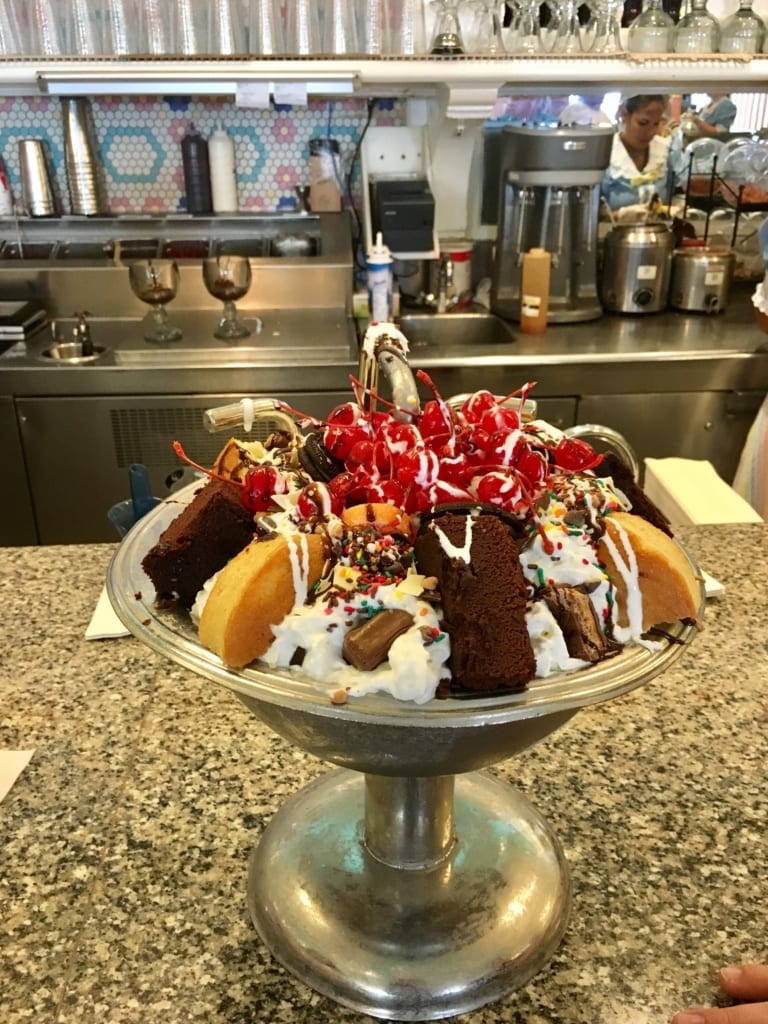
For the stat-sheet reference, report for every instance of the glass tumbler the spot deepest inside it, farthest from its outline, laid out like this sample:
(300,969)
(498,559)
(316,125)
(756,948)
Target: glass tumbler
(340,35)
(302,28)
(46,34)
(121,19)
(265,28)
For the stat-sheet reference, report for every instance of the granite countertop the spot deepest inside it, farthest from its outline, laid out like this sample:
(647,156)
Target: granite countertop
(126,840)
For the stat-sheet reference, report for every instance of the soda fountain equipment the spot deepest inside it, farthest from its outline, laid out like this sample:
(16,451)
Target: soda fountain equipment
(549,199)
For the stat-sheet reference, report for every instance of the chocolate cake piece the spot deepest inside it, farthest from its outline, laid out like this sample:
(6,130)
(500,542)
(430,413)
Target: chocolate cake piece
(200,541)
(483,595)
(576,617)
(614,466)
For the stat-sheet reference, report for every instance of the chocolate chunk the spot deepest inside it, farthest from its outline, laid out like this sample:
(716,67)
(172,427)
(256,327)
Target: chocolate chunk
(367,645)
(576,617)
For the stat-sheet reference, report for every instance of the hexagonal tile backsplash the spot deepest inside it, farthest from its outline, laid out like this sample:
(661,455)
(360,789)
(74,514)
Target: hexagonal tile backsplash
(139,144)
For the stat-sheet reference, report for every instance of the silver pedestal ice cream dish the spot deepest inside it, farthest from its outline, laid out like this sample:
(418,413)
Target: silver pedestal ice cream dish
(409,884)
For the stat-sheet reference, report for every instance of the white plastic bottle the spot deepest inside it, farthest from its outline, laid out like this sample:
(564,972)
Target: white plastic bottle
(221,157)
(380,281)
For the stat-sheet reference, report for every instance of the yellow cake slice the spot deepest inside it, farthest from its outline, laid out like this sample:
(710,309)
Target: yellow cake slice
(654,580)
(255,591)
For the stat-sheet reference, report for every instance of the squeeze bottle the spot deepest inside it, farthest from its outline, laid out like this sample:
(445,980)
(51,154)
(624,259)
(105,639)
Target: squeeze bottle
(197,171)
(380,282)
(221,154)
(534,291)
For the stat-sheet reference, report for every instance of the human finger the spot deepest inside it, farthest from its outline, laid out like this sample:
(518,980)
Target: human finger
(745,981)
(747,1013)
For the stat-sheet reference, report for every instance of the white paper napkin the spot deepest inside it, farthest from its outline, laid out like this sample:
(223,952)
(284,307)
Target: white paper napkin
(12,764)
(104,624)
(712,587)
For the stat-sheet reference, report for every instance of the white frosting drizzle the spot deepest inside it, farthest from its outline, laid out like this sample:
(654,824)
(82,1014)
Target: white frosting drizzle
(247,405)
(450,548)
(626,565)
(298,550)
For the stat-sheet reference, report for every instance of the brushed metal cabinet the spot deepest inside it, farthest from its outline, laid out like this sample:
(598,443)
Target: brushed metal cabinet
(17,518)
(709,425)
(78,451)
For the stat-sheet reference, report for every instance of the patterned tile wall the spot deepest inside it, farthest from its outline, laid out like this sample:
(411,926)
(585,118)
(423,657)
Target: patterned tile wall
(139,141)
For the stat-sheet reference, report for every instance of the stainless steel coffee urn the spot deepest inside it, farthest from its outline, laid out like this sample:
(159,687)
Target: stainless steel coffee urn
(635,267)
(550,195)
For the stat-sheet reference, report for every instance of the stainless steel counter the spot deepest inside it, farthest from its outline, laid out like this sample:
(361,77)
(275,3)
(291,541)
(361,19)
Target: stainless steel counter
(301,349)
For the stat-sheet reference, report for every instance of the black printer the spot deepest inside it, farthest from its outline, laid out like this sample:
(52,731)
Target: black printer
(403,210)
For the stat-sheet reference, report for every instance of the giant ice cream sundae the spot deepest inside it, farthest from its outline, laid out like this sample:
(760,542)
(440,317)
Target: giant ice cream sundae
(435,549)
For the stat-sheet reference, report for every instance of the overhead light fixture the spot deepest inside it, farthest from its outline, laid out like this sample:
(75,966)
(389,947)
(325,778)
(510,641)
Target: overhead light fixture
(186,82)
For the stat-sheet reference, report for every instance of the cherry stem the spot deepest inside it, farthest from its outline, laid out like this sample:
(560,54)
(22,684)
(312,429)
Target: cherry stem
(208,472)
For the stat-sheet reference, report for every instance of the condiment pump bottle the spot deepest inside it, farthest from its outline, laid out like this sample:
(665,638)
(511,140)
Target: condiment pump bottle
(197,171)
(534,291)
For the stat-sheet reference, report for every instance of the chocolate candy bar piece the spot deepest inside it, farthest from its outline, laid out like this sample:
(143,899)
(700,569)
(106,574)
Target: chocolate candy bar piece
(367,645)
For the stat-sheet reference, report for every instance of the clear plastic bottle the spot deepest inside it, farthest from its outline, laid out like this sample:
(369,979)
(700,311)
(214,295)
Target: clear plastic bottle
(534,291)
(698,31)
(380,281)
(652,31)
(743,32)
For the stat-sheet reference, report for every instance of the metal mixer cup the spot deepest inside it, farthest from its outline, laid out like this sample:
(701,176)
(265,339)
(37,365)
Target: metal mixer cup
(550,196)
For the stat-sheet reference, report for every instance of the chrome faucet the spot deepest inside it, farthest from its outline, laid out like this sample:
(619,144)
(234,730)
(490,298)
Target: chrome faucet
(82,333)
(444,282)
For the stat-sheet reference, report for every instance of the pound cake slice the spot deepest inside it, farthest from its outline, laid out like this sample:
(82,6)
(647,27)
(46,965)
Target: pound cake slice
(653,578)
(255,591)
(483,595)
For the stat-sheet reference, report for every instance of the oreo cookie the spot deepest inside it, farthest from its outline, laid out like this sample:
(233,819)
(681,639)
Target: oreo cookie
(316,460)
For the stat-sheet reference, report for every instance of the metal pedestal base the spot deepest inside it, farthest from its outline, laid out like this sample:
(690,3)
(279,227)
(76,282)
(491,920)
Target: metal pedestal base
(409,899)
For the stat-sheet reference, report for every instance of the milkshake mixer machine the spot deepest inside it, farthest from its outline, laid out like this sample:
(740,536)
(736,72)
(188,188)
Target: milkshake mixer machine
(549,199)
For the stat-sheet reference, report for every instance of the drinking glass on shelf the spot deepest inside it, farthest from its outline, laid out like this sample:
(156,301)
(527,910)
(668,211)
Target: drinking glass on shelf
(652,31)
(156,283)
(120,27)
(484,33)
(447,38)
(46,36)
(228,278)
(155,27)
(81,30)
(11,41)
(408,28)
(524,35)
(225,30)
(302,28)
(698,31)
(188,28)
(340,34)
(606,34)
(743,32)
(265,28)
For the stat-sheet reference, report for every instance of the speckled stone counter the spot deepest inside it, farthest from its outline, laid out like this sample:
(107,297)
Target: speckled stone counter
(125,842)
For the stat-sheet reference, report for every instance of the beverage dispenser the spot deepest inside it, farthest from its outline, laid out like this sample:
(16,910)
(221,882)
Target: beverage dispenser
(549,199)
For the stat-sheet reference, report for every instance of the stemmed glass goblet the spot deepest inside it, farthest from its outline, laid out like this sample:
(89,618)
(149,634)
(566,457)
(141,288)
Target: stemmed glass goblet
(156,283)
(228,278)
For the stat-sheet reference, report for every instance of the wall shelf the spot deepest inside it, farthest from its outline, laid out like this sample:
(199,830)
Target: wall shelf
(389,76)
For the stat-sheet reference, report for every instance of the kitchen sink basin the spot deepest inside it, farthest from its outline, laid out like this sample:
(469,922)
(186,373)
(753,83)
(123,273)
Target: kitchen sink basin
(70,353)
(455,330)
